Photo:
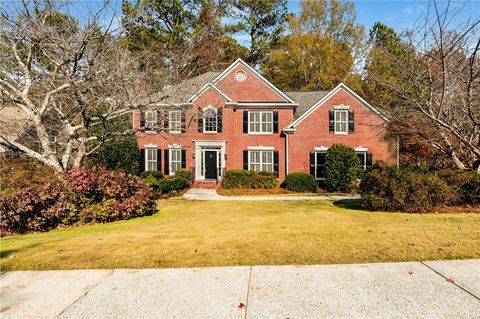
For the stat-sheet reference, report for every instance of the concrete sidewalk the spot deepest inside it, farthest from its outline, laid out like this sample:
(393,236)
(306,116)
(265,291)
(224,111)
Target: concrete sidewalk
(389,290)
(211,194)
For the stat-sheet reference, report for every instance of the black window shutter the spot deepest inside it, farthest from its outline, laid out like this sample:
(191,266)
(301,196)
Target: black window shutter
(141,160)
(245,160)
(351,122)
(183,118)
(275,121)
(184,158)
(275,162)
(166,163)
(369,160)
(165,120)
(331,121)
(142,120)
(245,121)
(200,121)
(219,120)
(312,163)
(159,121)
(159,160)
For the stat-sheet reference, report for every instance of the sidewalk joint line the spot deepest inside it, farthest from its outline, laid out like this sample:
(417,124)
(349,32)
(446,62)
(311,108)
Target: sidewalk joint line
(248,291)
(441,275)
(85,293)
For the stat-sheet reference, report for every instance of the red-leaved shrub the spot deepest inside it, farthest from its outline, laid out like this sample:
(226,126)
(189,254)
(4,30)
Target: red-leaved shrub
(81,195)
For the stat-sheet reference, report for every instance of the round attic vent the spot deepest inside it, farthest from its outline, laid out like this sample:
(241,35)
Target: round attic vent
(240,76)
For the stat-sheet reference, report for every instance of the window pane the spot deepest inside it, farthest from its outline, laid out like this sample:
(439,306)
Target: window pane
(210,121)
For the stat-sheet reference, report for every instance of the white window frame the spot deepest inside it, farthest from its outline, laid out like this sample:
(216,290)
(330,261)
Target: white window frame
(260,122)
(210,109)
(261,160)
(340,122)
(148,123)
(151,161)
(171,127)
(178,162)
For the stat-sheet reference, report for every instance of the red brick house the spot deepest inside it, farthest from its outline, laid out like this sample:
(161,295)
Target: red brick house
(237,119)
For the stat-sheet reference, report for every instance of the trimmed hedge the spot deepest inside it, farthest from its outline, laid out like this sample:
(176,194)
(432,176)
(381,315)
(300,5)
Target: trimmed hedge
(300,182)
(403,189)
(249,179)
(342,168)
(80,196)
(170,185)
(465,186)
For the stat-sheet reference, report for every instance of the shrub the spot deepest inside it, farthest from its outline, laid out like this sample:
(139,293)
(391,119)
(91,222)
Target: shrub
(300,182)
(83,195)
(173,185)
(17,172)
(470,191)
(154,174)
(119,154)
(400,189)
(342,168)
(183,173)
(249,179)
(465,186)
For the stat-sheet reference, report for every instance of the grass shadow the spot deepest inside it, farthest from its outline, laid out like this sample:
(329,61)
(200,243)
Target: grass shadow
(355,204)
(7,253)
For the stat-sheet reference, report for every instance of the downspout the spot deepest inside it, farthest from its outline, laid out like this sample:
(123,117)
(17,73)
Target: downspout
(286,155)
(398,151)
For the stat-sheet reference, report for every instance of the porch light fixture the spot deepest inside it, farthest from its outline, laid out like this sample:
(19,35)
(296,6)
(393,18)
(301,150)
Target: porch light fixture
(225,156)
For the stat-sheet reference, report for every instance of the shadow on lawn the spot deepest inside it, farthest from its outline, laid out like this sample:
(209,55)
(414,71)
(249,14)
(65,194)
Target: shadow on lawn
(7,253)
(355,204)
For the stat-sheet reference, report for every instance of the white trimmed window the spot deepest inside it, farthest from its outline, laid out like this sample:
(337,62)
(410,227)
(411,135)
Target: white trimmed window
(175,158)
(151,159)
(175,121)
(260,161)
(260,122)
(341,121)
(150,119)
(210,124)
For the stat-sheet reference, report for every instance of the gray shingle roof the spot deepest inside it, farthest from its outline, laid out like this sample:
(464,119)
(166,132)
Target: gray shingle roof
(305,100)
(181,92)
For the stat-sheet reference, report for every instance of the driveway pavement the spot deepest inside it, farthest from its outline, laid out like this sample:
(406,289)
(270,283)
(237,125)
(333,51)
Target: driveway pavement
(438,289)
(211,194)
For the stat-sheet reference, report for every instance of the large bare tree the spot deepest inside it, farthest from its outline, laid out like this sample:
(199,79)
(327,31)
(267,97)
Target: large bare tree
(437,84)
(70,76)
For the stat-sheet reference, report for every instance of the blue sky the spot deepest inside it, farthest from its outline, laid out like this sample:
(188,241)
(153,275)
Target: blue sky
(400,14)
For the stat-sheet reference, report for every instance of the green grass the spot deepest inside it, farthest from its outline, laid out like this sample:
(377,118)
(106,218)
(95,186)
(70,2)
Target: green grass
(220,233)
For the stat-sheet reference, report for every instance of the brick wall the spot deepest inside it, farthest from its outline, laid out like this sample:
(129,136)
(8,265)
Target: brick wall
(313,131)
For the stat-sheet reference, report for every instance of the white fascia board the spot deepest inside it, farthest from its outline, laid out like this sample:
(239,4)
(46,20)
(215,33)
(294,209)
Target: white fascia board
(328,96)
(149,145)
(258,75)
(265,104)
(206,87)
(169,105)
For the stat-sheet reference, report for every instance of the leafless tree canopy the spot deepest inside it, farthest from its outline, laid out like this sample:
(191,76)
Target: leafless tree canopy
(69,82)
(440,86)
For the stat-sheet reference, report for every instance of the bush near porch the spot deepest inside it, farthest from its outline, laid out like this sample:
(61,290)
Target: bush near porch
(171,185)
(249,179)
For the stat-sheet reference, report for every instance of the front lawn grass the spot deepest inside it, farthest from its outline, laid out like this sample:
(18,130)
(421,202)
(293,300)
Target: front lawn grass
(225,233)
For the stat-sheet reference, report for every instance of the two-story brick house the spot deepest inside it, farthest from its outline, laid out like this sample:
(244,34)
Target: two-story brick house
(236,119)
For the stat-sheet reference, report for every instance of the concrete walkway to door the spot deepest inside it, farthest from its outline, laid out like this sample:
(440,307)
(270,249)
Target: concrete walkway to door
(211,194)
(435,289)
